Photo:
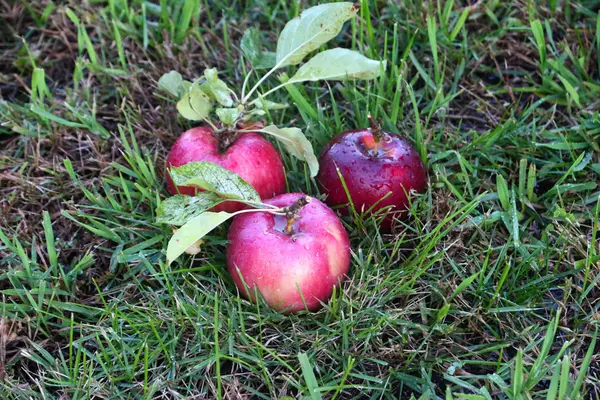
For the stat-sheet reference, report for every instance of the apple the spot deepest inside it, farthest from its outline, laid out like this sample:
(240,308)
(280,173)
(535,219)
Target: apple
(290,259)
(379,168)
(247,154)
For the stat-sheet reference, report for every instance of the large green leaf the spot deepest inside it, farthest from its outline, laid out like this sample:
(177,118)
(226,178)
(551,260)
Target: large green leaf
(179,209)
(194,230)
(297,144)
(314,27)
(338,64)
(214,178)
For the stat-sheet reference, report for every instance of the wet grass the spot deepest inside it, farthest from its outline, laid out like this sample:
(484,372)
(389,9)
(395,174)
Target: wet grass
(489,289)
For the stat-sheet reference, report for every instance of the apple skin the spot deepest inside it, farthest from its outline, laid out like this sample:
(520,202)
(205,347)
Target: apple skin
(315,258)
(251,156)
(371,170)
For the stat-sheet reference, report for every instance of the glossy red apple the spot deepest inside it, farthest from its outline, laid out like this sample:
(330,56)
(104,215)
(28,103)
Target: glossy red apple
(289,262)
(374,164)
(250,156)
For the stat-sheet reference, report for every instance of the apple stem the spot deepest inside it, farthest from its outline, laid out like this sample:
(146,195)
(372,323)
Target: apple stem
(291,212)
(375,129)
(225,139)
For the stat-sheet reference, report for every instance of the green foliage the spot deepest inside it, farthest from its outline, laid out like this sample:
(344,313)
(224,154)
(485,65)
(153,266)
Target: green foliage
(461,301)
(209,176)
(251,45)
(177,210)
(296,144)
(313,28)
(337,64)
(301,36)
(194,230)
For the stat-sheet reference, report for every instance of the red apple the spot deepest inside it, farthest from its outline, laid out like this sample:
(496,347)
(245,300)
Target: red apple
(287,263)
(250,156)
(373,164)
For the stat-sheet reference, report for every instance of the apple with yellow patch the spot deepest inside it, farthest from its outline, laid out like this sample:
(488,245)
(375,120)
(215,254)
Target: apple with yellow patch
(293,262)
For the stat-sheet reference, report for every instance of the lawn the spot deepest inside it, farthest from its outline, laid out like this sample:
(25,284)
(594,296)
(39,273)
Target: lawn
(488,290)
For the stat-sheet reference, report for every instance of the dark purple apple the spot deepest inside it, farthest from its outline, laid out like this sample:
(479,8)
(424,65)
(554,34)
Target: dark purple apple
(250,156)
(379,168)
(289,260)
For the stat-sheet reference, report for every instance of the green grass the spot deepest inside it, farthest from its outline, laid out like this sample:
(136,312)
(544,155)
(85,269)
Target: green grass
(488,290)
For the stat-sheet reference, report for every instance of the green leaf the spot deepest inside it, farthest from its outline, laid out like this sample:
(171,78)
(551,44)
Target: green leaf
(252,48)
(194,230)
(214,178)
(228,116)
(251,44)
(314,27)
(216,89)
(179,209)
(297,144)
(195,104)
(338,64)
(173,83)
(264,104)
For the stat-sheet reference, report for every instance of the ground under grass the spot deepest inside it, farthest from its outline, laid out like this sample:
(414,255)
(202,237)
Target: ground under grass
(488,290)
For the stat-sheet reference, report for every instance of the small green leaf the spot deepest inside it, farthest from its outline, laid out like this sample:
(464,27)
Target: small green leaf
(211,75)
(214,178)
(297,144)
(171,82)
(216,89)
(256,112)
(195,104)
(251,44)
(179,209)
(194,230)
(184,88)
(264,104)
(338,64)
(313,28)
(228,116)
(252,48)
(562,214)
